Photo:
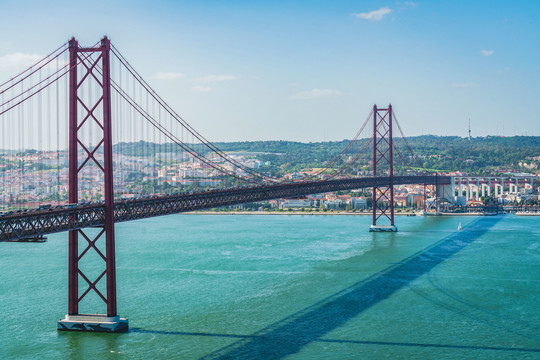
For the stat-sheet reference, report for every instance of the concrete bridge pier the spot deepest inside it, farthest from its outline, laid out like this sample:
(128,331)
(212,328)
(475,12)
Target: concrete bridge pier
(453,190)
(484,187)
(498,189)
(513,189)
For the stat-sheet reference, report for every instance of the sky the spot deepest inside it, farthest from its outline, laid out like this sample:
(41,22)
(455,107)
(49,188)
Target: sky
(309,70)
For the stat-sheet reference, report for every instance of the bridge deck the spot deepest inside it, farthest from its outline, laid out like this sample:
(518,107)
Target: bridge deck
(41,222)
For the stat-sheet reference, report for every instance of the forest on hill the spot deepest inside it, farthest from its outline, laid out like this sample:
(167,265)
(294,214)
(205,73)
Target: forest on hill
(480,155)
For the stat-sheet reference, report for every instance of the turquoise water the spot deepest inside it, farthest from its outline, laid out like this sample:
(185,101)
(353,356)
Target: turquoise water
(295,287)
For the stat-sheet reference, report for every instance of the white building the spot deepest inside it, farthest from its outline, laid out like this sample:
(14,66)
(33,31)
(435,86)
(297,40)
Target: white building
(296,203)
(358,203)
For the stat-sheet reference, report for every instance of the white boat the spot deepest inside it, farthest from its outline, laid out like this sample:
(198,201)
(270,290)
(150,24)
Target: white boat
(459,228)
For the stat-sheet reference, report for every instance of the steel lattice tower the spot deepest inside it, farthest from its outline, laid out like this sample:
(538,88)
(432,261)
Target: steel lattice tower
(383,155)
(78,56)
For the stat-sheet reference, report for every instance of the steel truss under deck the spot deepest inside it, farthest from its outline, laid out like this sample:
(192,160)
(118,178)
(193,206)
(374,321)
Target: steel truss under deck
(44,222)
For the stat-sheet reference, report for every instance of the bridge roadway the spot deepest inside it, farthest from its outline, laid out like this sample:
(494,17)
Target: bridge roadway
(42,222)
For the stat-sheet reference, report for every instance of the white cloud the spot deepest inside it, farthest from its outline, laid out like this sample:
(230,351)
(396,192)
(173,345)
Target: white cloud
(214,78)
(486,52)
(316,94)
(201,88)
(374,15)
(463,85)
(169,75)
(410,4)
(18,61)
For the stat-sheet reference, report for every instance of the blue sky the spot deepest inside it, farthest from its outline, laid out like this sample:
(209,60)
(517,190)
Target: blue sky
(311,70)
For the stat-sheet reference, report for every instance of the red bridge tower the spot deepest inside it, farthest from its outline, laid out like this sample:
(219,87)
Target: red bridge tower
(100,75)
(383,196)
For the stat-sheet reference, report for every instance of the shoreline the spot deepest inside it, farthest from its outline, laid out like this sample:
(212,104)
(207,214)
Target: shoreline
(318,213)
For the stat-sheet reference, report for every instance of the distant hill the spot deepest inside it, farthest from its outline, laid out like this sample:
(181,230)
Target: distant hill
(480,155)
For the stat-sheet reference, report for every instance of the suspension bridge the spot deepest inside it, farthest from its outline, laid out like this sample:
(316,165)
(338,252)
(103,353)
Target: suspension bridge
(86,142)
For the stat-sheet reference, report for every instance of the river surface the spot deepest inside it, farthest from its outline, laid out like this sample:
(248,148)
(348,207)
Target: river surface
(294,287)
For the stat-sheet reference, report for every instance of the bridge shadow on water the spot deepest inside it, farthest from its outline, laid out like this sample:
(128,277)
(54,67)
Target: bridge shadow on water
(291,334)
